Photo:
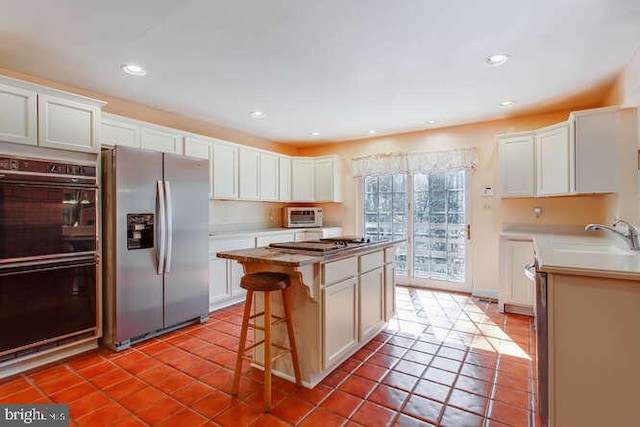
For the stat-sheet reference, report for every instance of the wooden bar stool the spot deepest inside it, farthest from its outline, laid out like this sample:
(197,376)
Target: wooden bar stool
(266,282)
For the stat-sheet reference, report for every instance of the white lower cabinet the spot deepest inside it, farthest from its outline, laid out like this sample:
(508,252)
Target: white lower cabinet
(516,290)
(371,302)
(340,302)
(267,239)
(305,236)
(224,274)
(354,297)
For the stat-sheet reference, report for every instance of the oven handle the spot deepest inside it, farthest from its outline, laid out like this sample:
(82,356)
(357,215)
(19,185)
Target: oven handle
(42,259)
(530,271)
(35,266)
(168,201)
(75,184)
(161,220)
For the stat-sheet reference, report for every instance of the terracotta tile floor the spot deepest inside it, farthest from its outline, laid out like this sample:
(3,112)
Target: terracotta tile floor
(446,359)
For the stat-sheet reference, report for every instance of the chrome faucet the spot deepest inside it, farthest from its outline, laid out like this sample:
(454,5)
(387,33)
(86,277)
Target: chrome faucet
(631,236)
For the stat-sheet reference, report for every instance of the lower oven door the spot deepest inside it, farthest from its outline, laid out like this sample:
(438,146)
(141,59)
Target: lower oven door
(46,302)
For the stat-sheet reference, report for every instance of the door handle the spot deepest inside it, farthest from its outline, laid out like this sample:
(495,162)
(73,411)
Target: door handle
(169,209)
(161,225)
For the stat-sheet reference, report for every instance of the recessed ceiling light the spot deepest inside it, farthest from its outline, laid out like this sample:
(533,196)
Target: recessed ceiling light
(507,104)
(372,131)
(258,114)
(433,122)
(134,69)
(495,60)
(314,133)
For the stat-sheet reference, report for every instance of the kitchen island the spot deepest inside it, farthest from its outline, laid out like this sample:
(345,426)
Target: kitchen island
(340,300)
(589,294)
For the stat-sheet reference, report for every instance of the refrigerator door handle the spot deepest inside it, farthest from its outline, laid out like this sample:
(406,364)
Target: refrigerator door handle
(168,201)
(161,226)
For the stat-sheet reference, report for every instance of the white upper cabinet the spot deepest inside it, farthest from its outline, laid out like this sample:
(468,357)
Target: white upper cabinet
(268,176)
(578,156)
(163,140)
(201,148)
(31,114)
(225,170)
(327,179)
(516,163)
(68,125)
(116,132)
(594,138)
(284,172)
(249,173)
(302,179)
(18,115)
(552,155)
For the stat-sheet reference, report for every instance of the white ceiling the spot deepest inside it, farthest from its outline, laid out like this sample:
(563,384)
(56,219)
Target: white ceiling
(338,67)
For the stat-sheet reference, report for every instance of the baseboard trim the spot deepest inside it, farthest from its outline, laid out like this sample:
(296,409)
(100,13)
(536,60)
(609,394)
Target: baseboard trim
(485,293)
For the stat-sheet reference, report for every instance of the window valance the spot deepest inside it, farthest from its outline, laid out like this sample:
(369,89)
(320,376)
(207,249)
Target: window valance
(425,162)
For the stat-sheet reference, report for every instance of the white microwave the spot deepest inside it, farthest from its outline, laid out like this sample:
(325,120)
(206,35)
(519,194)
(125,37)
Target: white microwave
(302,217)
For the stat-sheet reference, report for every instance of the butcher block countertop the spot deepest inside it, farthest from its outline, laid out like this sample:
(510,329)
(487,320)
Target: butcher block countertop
(297,258)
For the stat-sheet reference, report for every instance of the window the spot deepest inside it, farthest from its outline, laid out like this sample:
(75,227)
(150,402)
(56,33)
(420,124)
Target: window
(434,222)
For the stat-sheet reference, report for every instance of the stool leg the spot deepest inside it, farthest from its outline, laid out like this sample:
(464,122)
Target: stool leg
(243,342)
(267,351)
(292,338)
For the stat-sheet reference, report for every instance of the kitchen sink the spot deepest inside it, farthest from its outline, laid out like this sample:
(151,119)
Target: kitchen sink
(591,248)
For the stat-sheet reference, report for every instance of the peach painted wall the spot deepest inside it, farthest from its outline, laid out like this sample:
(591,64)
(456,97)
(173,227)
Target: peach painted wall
(142,112)
(223,213)
(487,214)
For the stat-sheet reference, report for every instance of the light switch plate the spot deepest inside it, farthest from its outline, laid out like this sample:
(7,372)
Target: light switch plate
(487,191)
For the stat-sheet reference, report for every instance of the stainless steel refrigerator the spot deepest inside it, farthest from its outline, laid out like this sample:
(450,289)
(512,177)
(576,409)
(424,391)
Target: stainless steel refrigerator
(155,234)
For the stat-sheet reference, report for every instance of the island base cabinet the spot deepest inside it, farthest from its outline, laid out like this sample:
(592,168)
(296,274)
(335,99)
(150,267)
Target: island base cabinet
(371,303)
(594,350)
(340,314)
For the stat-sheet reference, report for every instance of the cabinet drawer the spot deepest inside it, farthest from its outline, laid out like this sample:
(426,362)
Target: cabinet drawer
(336,271)
(222,245)
(390,254)
(267,239)
(370,261)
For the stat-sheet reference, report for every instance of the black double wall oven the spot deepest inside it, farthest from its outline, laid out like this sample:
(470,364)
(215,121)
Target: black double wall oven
(48,254)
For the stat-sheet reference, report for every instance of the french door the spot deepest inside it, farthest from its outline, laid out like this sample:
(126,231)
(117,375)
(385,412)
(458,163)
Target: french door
(430,211)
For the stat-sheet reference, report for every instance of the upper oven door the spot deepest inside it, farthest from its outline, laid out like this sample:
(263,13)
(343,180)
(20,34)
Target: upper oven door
(41,221)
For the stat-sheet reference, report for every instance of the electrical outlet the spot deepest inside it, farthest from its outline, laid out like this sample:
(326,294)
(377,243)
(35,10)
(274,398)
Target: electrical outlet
(537,212)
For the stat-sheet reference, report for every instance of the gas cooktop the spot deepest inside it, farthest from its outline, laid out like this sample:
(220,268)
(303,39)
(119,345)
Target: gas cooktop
(324,245)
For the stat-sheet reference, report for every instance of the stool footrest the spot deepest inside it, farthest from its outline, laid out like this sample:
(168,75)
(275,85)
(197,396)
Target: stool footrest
(278,346)
(273,358)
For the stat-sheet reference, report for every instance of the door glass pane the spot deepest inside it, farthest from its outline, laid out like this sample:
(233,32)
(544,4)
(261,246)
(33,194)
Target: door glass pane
(439,226)
(438,215)
(385,205)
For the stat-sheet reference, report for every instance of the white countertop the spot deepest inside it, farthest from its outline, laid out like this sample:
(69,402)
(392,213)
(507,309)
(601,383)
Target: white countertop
(592,255)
